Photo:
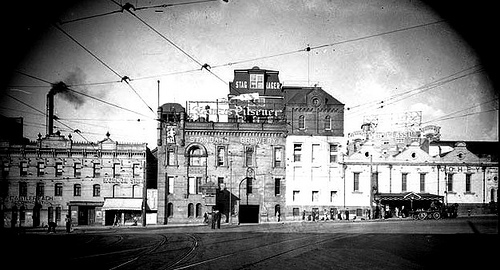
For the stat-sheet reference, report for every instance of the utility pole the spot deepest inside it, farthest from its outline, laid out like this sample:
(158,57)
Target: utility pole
(144,193)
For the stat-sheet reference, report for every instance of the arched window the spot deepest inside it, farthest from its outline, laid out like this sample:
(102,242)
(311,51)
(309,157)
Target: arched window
(170,210)
(302,122)
(190,210)
(196,156)
(328,123)
(198,210)
(96,190)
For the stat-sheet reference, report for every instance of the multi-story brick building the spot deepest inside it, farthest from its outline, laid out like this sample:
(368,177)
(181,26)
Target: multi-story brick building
(55,176)
(315,146)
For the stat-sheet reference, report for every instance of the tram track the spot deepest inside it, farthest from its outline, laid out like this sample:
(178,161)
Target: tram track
(270,247)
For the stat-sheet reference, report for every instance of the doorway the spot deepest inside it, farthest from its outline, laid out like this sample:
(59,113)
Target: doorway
(249,214)
(86,215)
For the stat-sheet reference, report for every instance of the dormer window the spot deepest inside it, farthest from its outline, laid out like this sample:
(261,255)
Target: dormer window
(256,81)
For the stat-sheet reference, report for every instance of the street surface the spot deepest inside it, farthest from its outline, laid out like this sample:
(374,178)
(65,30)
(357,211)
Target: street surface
(389,244)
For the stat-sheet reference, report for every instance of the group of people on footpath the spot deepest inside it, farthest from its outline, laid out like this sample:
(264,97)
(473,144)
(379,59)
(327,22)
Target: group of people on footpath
(52,225)
(213,219)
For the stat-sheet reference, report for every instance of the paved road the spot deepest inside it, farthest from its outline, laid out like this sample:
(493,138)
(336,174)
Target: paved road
(391,244)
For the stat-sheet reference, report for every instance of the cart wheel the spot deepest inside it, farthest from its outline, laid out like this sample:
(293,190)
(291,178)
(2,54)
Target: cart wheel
(422,215)
(436,215)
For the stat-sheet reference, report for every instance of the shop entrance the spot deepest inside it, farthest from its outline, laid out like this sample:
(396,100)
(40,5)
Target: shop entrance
(86,215)
(36,215)
(249,214)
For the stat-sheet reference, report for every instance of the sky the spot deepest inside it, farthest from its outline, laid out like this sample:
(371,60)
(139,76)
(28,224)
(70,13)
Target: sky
(377,57)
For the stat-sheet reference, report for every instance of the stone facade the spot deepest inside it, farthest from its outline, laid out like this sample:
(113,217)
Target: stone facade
(45,180)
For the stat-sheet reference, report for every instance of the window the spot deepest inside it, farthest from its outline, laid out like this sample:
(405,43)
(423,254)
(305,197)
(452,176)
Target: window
(170,185)
(23,189)
(249,185)
(194,185)
(302,122)
(77,169)
(58,214)
(356,181)
(404,182)
(58,189)
(295,195)
(221,155)
(333,195)
(297,152)
(256,81)
(116,170)
(278,156)
(334,148)
(249,153)
(171,157)
(328,123)
(190,210)
(449,185)
(40,189)
(315,196)
(96,190)
(422,182)
(170,210)
(77,190)
(40,169)
(23,168)
(136,170)
(198,210)
(314,153)
(59,168)
(277,186)
(50,216)
(196,156)
(96,170)
(468,182)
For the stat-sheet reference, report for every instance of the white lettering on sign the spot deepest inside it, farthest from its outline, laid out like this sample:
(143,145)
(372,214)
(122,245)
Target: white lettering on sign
(123,180)
(240,84)
(216,140)
(258,140)
(273,85)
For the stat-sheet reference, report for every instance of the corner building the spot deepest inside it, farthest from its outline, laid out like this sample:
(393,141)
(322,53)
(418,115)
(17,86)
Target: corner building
(250,155)
(54,176)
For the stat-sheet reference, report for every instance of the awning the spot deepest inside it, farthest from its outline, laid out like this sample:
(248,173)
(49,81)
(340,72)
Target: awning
(122,204)
(407,196)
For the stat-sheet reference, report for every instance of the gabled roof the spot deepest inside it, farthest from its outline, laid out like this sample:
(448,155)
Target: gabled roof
(300,95)
(413,153)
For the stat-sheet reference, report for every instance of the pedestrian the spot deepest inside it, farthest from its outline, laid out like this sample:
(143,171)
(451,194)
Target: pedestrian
(339,215)
(116,222)
(346,214)
(278,215)
(68,223)
(205,218)
(213,219)
(52,227)
(304,215)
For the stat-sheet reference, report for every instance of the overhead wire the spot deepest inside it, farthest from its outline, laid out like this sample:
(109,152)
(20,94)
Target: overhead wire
(85,95)
(125,79)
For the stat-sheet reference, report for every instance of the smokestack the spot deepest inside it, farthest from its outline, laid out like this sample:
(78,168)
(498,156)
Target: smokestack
(50,113)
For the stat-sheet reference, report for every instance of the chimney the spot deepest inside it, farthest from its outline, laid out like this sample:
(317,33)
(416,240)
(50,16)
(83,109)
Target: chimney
(50,113)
